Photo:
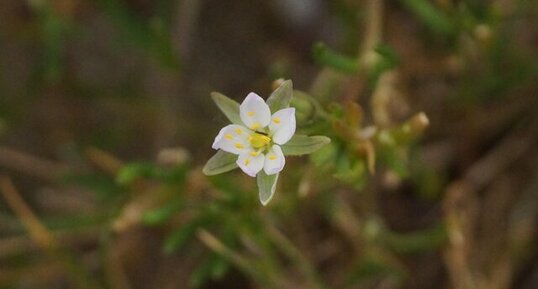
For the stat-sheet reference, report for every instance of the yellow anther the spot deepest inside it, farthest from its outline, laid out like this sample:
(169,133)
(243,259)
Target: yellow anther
(228,136)
(238,131)
(255,126)
(259,140)
(247,162)
(254,153)
(276,120)
(239,146)
(272,157)
(250,113)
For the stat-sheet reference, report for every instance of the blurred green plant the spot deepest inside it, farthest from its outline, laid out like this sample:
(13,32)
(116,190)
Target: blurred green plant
(330,209)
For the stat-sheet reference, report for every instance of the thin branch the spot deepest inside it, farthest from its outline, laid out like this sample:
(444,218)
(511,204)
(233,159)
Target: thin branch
(296,256)
(37,231)
(42,237)
(27,164)
(239,260)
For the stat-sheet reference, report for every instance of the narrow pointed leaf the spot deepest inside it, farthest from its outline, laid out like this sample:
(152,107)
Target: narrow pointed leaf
(327,57)
(228,106)
(302,144)
(162,214)
(220,163)
(431,15)
(266,186)
(281,97)
(182,235)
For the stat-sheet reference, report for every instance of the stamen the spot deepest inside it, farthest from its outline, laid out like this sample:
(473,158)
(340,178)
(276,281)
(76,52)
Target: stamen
(272,157)
(228,136)
(247,162)
(238,131)
(253,153)
(276,120)
(239,146)
(259,141)
(250,113)
(255,126)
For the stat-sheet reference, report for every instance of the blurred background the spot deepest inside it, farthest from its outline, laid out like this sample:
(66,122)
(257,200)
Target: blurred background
(430,181)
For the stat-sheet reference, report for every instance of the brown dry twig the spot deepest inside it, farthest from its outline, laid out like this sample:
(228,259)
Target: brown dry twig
(41,235)
(35,228)
(461,204)
(25,163)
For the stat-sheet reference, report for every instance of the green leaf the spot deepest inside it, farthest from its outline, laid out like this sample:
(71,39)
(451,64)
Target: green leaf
(374,265)
(431,15)
(351,171)
(228,106)
(130,172)
(391,158)
(179,238)
(281,97)
(212,268)
(305,107)
(388,53)
(104,187)
(302,144)
(201,274)
(388,60)
(133,171)
(327,57)
(325,155)
(266,186)
(220,163)
(160,215)
(418,241)
(220,268)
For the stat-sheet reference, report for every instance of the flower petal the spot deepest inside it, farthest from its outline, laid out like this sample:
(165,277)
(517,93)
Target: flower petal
(282,125)
(254,112)
(233,138)
(250,162)
(274,160)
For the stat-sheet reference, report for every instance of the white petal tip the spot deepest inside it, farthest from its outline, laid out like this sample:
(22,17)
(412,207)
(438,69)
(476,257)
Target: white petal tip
(253,94)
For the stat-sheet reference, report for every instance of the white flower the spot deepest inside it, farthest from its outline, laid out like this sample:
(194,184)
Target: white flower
(257,142)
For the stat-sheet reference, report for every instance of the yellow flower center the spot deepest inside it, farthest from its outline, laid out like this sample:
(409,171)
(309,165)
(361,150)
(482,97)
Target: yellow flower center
(258,140)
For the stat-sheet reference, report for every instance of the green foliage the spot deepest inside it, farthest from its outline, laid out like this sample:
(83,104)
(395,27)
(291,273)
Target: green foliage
(212,268)
(327,57)
(180,236)
(134,171)
(302,144)
(281,97)
(162,214)
(228,106)
(388,59)
(266,186)
(371,267)
(391,156)
(154,40)
(351,171)
(325,155)
(416,242)
(325,214)
(220,163)
(55,30)
(103,186)
(431,16)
